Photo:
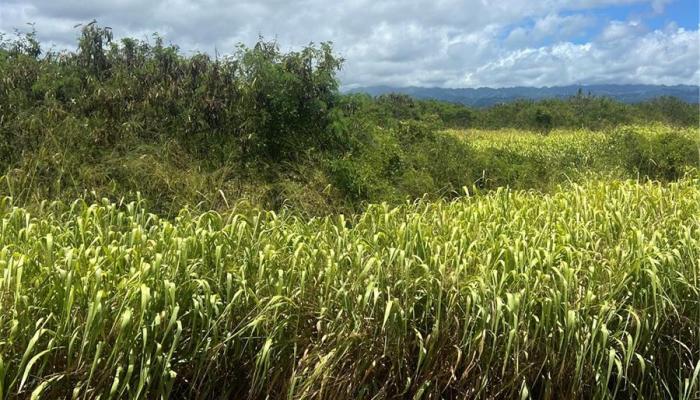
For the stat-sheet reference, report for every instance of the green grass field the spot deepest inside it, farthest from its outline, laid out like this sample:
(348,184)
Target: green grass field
(592,291)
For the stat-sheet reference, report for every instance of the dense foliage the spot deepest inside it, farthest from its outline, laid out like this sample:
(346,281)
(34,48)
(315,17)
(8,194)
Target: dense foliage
(578,112)
(591,292)
(261,100)
(413,160)
(119,117)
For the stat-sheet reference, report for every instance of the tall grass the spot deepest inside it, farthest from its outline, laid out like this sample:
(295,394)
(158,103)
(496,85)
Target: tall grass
(589,292)
(524,160)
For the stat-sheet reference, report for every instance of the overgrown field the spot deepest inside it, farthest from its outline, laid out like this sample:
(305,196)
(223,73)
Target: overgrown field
(128,116)
(532,266)
(591,291)
(523,159)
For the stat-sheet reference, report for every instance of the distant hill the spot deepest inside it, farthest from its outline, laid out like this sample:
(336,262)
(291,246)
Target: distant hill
(484,97)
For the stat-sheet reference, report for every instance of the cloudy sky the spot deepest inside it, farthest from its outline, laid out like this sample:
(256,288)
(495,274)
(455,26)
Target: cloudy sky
(447,43)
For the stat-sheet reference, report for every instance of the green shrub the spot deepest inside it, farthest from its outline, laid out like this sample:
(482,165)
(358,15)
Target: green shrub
(273,105)
(668,155)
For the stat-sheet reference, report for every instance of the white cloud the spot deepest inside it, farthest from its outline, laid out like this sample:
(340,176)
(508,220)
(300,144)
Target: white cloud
(618,30)
(658,57)
(402,42)
(550,26)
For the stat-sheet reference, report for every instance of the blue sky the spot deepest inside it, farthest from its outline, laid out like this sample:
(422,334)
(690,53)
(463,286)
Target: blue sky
(446,43)
(684,13)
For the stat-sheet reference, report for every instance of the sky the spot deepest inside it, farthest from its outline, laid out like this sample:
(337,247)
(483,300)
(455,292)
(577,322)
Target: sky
(435,43)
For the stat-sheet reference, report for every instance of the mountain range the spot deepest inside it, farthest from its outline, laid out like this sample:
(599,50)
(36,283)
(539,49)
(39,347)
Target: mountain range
(484,97)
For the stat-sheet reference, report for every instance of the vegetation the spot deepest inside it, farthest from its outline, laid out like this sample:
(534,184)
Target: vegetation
(525,160)
(589,292)
(577,112)
(117,118)
(404,253)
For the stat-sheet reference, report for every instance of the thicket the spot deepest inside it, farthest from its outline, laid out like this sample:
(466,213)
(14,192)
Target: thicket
(257,102)
(117,117)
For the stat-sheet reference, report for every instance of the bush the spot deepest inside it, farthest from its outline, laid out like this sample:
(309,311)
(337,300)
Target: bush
(271,104)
